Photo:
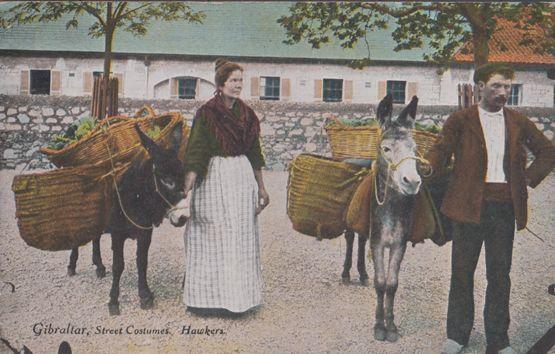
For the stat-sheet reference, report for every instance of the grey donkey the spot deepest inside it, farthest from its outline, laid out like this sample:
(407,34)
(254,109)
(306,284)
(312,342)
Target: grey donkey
(397,181)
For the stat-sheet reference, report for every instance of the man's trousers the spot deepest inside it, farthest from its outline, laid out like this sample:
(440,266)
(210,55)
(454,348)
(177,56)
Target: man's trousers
(496,230)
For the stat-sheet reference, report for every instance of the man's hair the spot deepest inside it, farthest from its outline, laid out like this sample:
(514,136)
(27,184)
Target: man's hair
(485,72)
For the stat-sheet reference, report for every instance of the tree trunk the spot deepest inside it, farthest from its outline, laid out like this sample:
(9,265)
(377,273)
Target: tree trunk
(480,42)
(108,36)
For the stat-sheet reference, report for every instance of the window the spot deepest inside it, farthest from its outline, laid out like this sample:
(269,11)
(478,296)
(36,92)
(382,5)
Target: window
(40,82)
(333,90)
(187,88)
(269,88)
(397,90)
(515,95)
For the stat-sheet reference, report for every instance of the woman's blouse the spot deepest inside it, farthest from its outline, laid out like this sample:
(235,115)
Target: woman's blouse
(203,145)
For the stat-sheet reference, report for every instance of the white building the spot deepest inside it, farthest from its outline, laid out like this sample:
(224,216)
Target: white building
(176,60)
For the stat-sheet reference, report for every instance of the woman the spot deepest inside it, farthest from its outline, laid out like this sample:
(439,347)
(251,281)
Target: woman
(223,163)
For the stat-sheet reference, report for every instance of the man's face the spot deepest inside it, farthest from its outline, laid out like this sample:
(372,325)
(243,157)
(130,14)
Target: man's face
(495,91)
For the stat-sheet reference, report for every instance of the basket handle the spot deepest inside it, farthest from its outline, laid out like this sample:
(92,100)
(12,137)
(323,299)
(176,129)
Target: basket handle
(145,108)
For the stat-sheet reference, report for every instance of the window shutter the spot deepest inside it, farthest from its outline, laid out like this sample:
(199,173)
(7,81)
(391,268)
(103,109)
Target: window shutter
(24,84)
(382,88)
(55,82)
(348,89)
(254,86)
(285,87)
(87,82)
(119,76)
(174,88)
(318,88)
(412,89)
(197,88)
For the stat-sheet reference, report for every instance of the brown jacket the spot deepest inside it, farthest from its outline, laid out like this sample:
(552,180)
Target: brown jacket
(462,137)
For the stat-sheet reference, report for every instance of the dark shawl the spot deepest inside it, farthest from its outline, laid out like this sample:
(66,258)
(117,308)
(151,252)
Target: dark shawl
(235,135)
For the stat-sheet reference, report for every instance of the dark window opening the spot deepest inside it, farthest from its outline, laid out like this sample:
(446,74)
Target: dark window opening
(187,88)
(40,82)
(333,90)
(397,90)
(269,88)
(514,97)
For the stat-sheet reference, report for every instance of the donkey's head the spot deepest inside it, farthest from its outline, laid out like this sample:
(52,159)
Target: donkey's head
(168,175)
(397,147)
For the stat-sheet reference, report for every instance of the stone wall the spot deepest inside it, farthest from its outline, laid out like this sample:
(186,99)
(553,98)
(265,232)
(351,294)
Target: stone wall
(288,129)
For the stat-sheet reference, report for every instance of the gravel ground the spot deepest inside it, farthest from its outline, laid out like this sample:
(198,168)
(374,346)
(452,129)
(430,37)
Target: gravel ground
(306,307)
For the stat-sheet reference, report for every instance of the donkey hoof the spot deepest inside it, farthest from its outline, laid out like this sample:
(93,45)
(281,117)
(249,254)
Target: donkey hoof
(392,336)
(364,281)
(100,272)
(114,309)
(147,303)
(70,271)
(345,280)
(379,332)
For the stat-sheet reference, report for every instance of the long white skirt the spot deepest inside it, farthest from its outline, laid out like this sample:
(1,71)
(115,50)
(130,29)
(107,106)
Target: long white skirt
(222,239)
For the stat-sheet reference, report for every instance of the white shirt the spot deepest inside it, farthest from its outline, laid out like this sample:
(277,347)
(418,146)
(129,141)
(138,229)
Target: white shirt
(493,126)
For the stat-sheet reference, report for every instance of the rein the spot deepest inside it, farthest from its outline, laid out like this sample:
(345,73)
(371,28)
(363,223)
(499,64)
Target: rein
(113,173)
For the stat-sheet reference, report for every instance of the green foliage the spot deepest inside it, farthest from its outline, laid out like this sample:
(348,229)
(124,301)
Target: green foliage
(431,128)
(358,122)
(74,133)
(130,16)
(445,26)
(154,132)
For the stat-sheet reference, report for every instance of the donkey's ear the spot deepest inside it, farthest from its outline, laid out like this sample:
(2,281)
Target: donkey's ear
(147,142)
(385,108)
(409,111)
(176,136)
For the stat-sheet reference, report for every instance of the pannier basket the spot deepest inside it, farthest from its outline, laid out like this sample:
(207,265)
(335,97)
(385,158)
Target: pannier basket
(353,142)
(114,138)
(424,140)
(318,193)
(64,208)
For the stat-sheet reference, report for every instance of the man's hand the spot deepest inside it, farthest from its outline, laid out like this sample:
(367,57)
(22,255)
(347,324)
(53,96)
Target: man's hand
(263,200)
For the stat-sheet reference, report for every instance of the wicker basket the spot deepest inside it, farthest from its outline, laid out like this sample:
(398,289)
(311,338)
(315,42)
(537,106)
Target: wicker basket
(144,112)
(424,140)
(64,208)
(120,138)
(348,142)
(318,193)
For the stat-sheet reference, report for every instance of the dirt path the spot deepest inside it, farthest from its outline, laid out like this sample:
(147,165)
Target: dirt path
(306,307)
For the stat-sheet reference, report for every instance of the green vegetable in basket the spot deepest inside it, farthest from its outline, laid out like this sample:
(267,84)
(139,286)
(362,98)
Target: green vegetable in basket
(357,122)
(431,128)
(73,133)
(154,132)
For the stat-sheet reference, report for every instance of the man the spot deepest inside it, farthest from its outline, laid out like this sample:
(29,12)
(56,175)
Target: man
(486,194)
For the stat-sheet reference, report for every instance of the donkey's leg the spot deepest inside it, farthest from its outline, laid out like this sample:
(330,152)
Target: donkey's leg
(143,244)
(349,237)
(361,264)
(97,258)
(379,286)
(396,255)
(118,264)
(73,261)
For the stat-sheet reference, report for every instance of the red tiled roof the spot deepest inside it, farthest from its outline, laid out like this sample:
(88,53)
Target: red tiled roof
(504,46)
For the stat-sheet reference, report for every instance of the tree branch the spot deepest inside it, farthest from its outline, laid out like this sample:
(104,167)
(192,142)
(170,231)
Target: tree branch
(133,10)
(402,13)
(93,11)
(119,9)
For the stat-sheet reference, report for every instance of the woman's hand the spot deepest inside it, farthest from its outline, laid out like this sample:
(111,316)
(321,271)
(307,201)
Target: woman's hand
(263,200)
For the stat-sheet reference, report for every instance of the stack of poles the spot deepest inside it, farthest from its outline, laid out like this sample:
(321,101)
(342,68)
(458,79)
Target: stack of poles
(99,108)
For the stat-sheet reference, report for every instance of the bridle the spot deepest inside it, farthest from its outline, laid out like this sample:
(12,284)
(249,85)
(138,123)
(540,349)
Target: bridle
(392,167)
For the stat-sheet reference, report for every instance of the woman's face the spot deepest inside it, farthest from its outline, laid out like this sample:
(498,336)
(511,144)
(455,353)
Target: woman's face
(233,85)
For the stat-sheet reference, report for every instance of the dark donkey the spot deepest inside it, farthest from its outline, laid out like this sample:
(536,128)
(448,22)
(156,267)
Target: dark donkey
(149,190)
(395,186)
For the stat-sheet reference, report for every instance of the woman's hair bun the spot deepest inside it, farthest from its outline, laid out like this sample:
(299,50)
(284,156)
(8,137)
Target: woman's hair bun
(220,62)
